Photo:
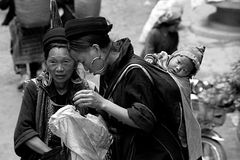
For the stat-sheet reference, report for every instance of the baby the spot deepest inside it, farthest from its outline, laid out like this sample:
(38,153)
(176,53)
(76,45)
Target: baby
(182,65)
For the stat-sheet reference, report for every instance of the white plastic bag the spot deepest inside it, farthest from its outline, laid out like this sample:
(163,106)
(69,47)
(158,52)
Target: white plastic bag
(86,137)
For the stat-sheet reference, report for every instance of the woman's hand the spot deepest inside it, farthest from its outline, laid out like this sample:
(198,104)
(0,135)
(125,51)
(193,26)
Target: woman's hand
(38,145)
(89,98)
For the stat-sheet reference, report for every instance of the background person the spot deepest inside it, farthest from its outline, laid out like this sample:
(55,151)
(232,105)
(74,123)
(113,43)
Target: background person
(160,32)
(133,110)
(162,37)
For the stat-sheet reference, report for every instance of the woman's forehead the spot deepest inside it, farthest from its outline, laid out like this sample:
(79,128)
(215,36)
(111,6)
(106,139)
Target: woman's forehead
(58,52)
(81,53)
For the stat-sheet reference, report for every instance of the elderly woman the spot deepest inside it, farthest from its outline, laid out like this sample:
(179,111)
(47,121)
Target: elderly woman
(130,105)
(43,96)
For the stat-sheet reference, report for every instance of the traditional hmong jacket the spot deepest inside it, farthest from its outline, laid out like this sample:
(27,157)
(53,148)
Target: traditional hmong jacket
(40,101)
(145,108)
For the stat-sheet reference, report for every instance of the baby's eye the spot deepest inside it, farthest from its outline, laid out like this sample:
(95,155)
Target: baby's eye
(185,70)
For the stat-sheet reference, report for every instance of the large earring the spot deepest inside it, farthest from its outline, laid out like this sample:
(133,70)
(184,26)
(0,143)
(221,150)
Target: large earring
(47,78)
(98,64)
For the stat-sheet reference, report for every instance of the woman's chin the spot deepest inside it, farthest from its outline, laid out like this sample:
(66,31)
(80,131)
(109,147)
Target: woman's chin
(60,79)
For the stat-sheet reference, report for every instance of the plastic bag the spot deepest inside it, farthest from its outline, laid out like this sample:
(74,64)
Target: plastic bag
(86,137)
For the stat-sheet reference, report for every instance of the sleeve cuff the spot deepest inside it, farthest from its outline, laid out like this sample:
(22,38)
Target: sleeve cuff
(142,117)
(25,136)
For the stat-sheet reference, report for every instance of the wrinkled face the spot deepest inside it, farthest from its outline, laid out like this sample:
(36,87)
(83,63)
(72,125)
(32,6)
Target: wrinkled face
(181,66)
(60,65)
(86,57)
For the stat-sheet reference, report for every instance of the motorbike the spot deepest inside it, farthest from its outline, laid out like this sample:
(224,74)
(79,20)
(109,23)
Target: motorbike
(236,120)
(209,116)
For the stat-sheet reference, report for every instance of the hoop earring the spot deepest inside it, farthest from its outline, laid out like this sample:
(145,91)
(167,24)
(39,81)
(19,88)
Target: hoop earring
(98,64)
(47,78)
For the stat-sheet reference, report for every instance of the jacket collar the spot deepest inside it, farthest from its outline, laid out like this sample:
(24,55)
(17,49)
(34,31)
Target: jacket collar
(124,47)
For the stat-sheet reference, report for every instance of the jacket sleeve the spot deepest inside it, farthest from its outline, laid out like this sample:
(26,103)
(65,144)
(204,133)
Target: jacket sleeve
(163,60)
(140,93)
(25,127)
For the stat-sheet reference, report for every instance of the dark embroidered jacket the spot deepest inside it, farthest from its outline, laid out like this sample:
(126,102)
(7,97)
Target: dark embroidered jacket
(39,102)
(136,93)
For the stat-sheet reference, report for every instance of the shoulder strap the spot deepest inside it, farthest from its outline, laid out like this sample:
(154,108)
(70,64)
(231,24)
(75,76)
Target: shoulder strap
(125,71)
(162,134)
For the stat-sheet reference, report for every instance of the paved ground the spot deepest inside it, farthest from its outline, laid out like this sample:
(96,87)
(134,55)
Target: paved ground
(128,18)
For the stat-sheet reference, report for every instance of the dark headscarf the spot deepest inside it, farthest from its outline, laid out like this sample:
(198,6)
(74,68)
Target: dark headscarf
(53,36)
(76,28)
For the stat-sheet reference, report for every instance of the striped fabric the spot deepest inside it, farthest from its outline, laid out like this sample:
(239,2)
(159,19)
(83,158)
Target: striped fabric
(26,43)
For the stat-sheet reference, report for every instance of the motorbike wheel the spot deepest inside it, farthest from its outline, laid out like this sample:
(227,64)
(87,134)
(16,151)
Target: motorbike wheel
(212,150)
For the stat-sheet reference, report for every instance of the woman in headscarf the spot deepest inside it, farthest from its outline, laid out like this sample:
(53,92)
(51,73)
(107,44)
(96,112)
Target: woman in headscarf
(162,37)
(43,96)
(128,101)
(160,32)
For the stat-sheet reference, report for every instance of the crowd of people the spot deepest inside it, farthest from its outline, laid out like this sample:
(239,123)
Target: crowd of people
(143,100)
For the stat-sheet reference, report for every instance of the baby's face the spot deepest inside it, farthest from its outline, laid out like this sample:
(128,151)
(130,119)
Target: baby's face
(180,65)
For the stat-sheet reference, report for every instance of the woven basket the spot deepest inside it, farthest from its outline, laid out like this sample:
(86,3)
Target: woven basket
(85,8)
(32,13)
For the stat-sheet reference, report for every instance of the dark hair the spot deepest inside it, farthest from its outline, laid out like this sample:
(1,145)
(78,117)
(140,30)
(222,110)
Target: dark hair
(86,41)
(47,48)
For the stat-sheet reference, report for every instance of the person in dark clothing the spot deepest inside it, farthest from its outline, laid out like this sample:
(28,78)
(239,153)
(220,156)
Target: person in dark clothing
(162,37)
(43,96)
(131,106)
(67,7)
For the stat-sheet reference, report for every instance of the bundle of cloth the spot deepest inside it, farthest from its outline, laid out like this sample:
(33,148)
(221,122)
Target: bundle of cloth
(87,136)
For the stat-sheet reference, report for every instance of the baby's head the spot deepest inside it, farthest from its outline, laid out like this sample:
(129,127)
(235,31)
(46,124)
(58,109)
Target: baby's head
(186,63)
